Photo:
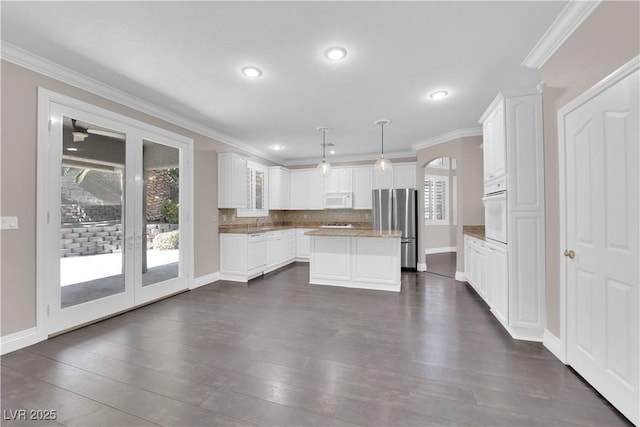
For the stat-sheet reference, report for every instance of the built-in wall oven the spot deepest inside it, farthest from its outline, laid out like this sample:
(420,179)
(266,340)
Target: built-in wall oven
(495,216)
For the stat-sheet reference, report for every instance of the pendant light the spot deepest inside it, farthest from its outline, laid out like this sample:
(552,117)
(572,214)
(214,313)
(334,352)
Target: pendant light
(382,166)
(324,167)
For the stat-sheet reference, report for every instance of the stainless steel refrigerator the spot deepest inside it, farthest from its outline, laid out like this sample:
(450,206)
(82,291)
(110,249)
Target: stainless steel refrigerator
(398,210)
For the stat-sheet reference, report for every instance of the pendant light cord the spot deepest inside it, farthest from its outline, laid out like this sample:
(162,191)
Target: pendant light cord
(323,144)
(382,130)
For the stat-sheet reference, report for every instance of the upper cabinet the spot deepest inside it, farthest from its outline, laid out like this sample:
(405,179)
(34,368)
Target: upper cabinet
(340,180)
(403,176)
(362,186)
(232,181)
(494,145)
(279,188)
(306,189)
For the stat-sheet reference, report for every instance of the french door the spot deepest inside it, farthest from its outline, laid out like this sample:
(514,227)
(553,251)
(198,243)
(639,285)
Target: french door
(116,230)
(602,239)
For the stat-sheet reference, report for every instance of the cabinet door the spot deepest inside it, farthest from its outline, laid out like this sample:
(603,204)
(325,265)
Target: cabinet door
(232,181)
(303,244)
(499,145)
(315,190)
(497,262)
(278,188)
(404,176)
(362,186)
(239,188)
(233,254)
(338,181)
(298,190)
(382,181)
(479,272)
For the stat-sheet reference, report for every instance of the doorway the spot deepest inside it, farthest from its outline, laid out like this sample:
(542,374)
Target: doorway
(440,207)
(116,229)
(600,277)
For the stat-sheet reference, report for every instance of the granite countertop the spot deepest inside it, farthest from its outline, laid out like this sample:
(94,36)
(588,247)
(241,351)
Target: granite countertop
(351,232)
(476,231)
(250,229)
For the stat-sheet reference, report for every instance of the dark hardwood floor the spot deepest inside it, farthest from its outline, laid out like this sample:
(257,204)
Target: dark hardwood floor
(281,352)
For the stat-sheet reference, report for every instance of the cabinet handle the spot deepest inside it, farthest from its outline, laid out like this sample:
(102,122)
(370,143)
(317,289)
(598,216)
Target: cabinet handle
(570,253)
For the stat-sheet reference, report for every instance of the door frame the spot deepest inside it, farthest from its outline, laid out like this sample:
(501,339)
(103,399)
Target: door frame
(49,101)
(613,78)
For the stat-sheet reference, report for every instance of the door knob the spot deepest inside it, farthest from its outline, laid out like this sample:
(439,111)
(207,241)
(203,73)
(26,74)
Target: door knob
(570,253)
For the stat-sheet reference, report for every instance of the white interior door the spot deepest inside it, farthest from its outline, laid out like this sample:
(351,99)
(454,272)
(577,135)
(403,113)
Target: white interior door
(114,203)
(602,261)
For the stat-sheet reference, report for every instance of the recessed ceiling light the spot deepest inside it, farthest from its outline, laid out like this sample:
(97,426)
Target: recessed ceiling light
(439,94)
(252,72)
(72,149)
(335,53)
(332,152)
(276,147)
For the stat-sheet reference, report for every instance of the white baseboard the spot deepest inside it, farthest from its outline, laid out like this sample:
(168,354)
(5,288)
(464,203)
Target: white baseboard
(18,340)
(461,277)
(422,266)
(441,250)
(553,344)
(205,280)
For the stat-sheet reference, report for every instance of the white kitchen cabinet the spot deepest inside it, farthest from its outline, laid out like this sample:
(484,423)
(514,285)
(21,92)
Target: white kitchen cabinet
(404,175)
(362,186)
(474,264)
(497,278)
(242,256)
(303,244)
(514,162)
(279,188)
(340,181)
(278,249)
(298,189)
(494,142)
(382,181)
(306,189)
(232,181)
(245,256)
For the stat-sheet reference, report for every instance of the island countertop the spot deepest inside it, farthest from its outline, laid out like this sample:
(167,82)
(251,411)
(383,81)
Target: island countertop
(351,232)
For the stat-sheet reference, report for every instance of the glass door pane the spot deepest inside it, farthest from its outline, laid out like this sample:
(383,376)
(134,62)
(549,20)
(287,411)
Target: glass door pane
(92,217)
(161,209)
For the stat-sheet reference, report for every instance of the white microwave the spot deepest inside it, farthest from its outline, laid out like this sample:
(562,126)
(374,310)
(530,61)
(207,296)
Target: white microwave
(338,200)
(495,216)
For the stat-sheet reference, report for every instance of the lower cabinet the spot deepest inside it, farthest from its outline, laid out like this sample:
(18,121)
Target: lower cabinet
(245,256)
(474,264)
(487,270)
(279,244)
(303,244)
(497,278)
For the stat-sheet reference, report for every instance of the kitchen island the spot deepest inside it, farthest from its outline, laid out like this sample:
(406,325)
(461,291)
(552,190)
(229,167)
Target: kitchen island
(366,259)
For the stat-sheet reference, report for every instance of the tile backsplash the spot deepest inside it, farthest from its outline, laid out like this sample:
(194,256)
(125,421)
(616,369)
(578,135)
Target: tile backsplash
(360,216)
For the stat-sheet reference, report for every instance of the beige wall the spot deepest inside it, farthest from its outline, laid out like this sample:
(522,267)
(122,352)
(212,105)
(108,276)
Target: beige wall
(468,155)
(609,38)
(18,189)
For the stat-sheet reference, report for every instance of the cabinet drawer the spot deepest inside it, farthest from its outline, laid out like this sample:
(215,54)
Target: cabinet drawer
(495,185)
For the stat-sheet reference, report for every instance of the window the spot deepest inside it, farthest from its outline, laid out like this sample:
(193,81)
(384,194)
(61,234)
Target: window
(436,206)
(440,192)
(257,192)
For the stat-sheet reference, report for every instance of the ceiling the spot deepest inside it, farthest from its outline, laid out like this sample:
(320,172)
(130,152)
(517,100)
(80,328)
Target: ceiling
(186,57)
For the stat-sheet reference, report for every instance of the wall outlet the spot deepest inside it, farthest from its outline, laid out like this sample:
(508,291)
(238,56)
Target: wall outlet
(304,216)
(9,223)
(224,217)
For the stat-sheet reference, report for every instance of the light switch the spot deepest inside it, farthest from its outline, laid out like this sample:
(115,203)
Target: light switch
(9,223)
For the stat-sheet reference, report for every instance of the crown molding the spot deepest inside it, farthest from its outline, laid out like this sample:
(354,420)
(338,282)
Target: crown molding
(446,137)
(354,158)
(569,19)
(30,61)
